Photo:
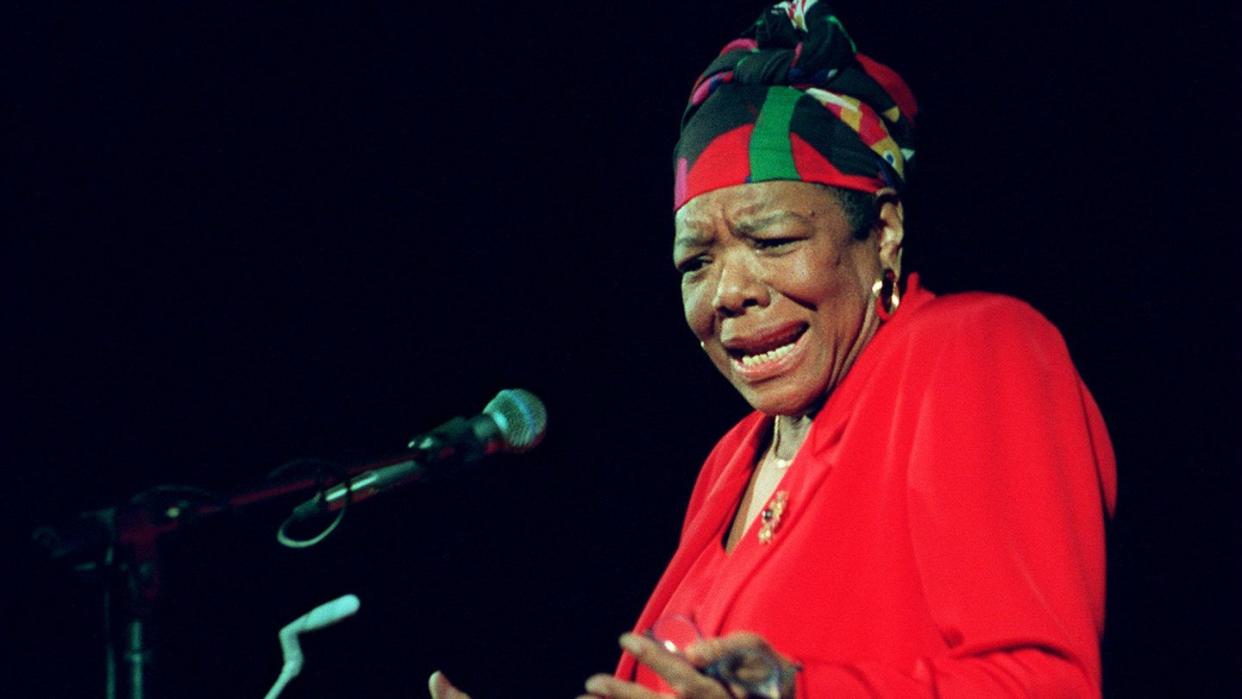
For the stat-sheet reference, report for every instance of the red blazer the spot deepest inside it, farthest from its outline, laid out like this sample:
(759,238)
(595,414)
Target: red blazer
(943,533)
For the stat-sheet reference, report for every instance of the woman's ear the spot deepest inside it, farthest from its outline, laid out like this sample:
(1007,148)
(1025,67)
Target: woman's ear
(890,228)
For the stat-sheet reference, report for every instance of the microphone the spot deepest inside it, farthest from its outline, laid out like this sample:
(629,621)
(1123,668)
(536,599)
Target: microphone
(514,422)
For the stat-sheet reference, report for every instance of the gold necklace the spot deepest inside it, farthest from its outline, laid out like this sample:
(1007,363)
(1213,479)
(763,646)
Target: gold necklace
(780,463)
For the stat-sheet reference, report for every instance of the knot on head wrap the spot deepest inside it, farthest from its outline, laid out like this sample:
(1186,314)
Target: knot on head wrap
(792,99)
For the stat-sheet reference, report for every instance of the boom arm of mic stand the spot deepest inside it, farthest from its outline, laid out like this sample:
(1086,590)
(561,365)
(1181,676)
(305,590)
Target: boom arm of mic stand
(360,487)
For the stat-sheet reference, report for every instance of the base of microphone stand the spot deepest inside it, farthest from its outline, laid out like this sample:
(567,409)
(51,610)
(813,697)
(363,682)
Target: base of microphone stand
(137,658)
(139,579)
(129,575)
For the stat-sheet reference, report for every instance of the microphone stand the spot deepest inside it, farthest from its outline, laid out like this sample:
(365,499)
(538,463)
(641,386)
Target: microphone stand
(119,548)
(123,541)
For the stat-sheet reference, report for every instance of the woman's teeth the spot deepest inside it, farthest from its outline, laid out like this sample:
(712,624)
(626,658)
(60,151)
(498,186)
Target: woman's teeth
(769,356)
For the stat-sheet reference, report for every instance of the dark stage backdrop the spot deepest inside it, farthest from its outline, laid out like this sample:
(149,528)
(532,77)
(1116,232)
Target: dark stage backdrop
(244,233)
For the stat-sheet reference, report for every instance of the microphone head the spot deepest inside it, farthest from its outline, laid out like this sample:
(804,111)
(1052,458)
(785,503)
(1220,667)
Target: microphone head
(521,417)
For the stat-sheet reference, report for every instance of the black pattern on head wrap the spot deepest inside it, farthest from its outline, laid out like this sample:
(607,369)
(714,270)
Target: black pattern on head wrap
(793,99)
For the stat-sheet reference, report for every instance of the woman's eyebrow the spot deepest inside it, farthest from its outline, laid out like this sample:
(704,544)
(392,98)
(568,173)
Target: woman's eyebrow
(697,235)
(691,236)
(747,226)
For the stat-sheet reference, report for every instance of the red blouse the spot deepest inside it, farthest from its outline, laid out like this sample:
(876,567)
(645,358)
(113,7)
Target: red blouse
(943,526)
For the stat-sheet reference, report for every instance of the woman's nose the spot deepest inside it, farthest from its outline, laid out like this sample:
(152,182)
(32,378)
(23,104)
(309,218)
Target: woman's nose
(739,287)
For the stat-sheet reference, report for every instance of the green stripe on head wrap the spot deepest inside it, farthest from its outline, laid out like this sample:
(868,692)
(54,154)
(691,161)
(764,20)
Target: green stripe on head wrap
(771,154)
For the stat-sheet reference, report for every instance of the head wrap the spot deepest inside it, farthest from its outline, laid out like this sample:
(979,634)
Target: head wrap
(792,99)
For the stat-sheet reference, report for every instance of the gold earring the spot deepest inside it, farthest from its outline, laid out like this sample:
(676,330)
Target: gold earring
(887,294)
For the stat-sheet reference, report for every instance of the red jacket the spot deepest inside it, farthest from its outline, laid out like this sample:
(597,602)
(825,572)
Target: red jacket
(943,533)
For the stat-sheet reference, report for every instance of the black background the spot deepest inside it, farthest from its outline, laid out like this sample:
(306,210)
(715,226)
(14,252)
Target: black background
(241,234)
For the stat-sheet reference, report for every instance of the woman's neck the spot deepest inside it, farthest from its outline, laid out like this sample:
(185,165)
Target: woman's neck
(788,433)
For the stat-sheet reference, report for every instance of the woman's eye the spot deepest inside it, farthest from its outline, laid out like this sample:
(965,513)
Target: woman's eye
(770,243)
(691,265)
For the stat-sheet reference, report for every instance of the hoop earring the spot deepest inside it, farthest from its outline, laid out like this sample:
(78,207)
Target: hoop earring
(887,295)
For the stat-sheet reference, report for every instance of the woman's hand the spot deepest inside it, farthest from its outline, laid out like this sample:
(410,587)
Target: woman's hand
(751,656)
(441,688)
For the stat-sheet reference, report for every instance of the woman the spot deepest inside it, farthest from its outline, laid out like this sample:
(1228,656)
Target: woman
(916,506)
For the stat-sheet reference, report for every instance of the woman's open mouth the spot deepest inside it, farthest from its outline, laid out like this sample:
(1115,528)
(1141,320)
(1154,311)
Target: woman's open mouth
(763,357)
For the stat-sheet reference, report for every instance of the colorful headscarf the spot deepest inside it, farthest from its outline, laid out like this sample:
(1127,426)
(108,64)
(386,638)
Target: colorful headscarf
(792,99)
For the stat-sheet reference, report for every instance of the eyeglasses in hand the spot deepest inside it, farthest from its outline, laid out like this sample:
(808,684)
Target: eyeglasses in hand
(756,671)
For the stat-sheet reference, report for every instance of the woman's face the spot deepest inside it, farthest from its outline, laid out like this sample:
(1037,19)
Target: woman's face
(777,288)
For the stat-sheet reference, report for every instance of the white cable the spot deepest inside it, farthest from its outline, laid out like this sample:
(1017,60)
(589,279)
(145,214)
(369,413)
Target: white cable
(324,615)
(290,542)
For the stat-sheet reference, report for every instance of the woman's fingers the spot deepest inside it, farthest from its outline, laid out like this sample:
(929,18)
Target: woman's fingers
(441,688)
(613,688)
(745,660)
(684,674)
(684,678)
(706,652)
